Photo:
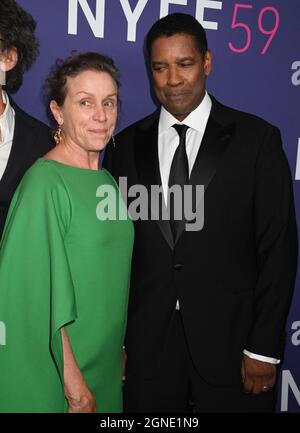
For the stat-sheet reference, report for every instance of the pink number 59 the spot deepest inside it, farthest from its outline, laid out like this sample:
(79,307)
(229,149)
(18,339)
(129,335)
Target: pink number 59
(238,24)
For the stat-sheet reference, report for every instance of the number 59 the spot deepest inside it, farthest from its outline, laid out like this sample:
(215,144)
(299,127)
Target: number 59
(239,24)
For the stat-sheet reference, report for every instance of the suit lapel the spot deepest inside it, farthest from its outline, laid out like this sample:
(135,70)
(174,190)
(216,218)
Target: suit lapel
(217,136)
(215,141)
(147,163)
(146,153)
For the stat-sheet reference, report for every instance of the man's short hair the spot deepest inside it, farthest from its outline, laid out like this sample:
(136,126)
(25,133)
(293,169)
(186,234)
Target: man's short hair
(177,23)
(17,29)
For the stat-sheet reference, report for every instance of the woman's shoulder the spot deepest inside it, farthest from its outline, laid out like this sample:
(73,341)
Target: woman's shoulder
(42,169)
(42,175)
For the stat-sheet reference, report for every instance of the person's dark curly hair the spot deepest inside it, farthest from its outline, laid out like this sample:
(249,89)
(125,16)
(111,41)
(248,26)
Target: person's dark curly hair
(177,23)
(56,83)
(17,29)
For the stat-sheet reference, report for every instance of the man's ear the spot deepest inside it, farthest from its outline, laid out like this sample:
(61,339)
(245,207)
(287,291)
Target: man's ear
(207,63)
(8,59)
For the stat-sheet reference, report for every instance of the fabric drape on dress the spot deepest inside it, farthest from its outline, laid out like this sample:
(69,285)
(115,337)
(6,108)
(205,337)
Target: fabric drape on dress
(36,307)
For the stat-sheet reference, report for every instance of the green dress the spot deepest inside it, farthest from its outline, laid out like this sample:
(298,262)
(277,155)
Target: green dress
(61,265)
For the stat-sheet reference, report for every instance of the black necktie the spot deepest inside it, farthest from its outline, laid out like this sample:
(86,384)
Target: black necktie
(179,175)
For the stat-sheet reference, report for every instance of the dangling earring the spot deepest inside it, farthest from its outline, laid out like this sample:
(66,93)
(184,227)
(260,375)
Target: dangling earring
(57,136)
(113,141)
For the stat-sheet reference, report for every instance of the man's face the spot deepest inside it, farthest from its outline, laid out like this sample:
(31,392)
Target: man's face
(179,72)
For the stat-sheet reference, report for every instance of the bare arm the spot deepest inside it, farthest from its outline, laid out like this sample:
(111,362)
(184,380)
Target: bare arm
(79,397)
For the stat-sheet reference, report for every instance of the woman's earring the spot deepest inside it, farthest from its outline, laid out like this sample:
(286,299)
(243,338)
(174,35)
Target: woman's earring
(113,141)
(57,136)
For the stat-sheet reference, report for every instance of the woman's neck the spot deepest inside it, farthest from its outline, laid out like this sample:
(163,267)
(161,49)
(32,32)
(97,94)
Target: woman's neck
(74,157)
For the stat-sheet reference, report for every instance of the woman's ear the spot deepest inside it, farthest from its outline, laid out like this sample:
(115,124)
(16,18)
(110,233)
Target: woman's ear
(56,111)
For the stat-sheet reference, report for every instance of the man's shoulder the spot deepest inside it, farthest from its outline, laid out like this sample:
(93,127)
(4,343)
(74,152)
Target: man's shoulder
(25,118)
(143,124)
(241,118)
(32,134)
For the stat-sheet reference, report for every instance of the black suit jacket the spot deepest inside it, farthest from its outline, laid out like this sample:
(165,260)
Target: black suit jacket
(234,279)
(32,139)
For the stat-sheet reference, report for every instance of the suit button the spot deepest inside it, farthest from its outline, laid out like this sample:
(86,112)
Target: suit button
(178,266)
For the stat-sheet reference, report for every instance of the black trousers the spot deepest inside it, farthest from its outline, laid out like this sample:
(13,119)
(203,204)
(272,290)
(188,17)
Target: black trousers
(178,387)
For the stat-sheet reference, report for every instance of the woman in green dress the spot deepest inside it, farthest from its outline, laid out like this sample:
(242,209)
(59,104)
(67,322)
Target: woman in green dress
(65,265)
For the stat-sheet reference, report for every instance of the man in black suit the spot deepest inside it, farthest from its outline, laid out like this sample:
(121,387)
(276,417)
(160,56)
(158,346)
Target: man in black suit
(208,308)
(22,138)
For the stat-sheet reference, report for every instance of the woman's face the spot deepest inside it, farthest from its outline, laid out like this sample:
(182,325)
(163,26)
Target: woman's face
(89,113)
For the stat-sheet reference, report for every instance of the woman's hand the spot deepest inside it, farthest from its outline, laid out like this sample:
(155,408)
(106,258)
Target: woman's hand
(77,392)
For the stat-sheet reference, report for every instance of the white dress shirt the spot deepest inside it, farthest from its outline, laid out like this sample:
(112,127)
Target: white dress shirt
(168,141)
(7,127)
(168,138)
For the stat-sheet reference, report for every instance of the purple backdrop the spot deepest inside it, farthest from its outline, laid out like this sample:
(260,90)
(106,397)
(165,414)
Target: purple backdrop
(256,69)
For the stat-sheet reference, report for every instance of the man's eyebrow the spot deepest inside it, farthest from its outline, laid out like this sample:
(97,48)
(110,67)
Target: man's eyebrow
(183,59)
(178,59)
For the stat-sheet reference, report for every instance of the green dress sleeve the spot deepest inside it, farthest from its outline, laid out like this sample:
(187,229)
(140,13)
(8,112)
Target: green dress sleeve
(37,295)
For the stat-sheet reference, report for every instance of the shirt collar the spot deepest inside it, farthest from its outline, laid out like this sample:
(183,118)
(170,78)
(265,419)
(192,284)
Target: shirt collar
(7,117)
(197,119)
